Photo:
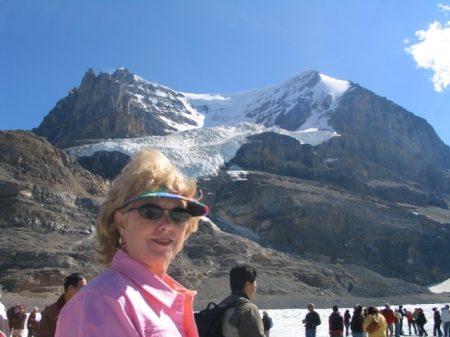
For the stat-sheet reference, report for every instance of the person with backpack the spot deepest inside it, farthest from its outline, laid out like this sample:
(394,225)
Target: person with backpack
(375,323)
(11,313)
(18,322)
(267,322)
(336,323)
(421,321)
(243,319)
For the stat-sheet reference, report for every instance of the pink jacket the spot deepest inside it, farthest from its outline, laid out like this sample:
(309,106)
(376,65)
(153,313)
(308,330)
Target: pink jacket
(128,300)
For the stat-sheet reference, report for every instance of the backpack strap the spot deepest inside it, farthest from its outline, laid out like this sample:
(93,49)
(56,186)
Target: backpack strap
(235,303)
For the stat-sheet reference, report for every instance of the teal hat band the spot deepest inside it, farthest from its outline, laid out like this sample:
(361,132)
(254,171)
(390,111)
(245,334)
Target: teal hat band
(194,207)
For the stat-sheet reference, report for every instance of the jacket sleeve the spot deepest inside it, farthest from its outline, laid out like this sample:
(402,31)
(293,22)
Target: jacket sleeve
(94,314)
(318,321)
(44,327)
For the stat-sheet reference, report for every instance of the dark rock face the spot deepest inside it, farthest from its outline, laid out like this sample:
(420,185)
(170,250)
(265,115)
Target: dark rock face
(105,164)
(306,239)
(368,207)
(101,108)
(48,206)
(326,222)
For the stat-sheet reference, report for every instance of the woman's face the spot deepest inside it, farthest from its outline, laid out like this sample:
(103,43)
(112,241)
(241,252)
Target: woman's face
(153,243)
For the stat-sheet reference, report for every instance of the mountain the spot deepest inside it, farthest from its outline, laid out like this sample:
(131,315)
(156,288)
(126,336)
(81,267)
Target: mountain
(330,190)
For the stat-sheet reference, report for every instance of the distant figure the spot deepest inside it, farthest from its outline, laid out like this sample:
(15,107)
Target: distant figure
(421,321)
(445,317)
(49,317)
(397,320)
(437,323)
(4,325)
(390,318)
(336,323)
(267,322)
(347,318)
(311,321)
(243,319)
(32,323)
(374,314)
(356,324)
(18,322)
(411,322)
(403,314)
(10,313)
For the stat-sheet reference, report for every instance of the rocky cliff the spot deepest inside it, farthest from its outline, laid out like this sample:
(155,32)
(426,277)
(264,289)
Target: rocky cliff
(365,213)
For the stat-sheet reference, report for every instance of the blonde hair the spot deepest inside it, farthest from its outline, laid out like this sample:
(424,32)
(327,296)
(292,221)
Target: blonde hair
(148,168)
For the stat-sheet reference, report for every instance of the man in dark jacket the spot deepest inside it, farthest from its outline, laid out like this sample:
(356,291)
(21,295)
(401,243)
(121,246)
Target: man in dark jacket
(18,321)
(311,321)
(437,323)
(47,325)
(243,319)
(421,321)
(336,323)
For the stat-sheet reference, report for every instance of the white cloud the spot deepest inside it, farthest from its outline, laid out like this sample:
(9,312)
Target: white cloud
(433,52)
(445,8)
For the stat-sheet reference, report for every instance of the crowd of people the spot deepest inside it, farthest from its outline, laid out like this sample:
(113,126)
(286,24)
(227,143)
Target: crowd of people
(373,322)
(150,210)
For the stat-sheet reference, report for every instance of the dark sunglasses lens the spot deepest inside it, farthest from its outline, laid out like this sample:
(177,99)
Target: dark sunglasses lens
(179,215)
(153,212)
(150,211)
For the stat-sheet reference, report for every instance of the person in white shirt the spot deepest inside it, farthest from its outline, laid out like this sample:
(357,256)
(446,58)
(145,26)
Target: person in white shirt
(445,317)
(4,326)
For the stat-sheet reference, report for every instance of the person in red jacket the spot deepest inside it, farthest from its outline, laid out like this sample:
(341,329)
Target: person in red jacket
(336,323)
(390,318)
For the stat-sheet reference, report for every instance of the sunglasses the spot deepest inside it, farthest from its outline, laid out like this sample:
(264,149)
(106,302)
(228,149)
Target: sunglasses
(153,212)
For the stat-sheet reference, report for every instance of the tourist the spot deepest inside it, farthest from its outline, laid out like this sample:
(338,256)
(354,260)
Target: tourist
(149,212)
(242,319)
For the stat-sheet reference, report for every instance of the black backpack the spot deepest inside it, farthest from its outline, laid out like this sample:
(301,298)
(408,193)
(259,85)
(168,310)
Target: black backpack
(11,313)
(209,321)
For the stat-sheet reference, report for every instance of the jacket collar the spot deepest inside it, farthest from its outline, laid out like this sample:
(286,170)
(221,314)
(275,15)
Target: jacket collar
(165,290)
(240,293)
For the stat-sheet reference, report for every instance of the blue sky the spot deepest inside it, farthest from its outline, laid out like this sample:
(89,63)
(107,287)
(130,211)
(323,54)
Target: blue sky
(398,49)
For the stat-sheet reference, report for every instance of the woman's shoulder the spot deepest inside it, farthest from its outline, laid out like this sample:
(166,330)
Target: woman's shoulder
(109,281)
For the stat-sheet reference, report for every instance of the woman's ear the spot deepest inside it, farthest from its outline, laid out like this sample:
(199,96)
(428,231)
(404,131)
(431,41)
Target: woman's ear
(118,219)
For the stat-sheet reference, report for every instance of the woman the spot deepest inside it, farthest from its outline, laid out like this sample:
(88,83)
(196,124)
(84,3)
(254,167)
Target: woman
(347,317)
(374,314)
(356,324)
(148,213)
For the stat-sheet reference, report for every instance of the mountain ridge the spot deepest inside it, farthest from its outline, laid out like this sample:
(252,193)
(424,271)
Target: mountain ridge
(363,189)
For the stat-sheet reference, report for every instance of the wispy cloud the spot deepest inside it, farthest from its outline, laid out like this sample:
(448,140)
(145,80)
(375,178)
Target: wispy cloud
(444,8)
(433,51)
